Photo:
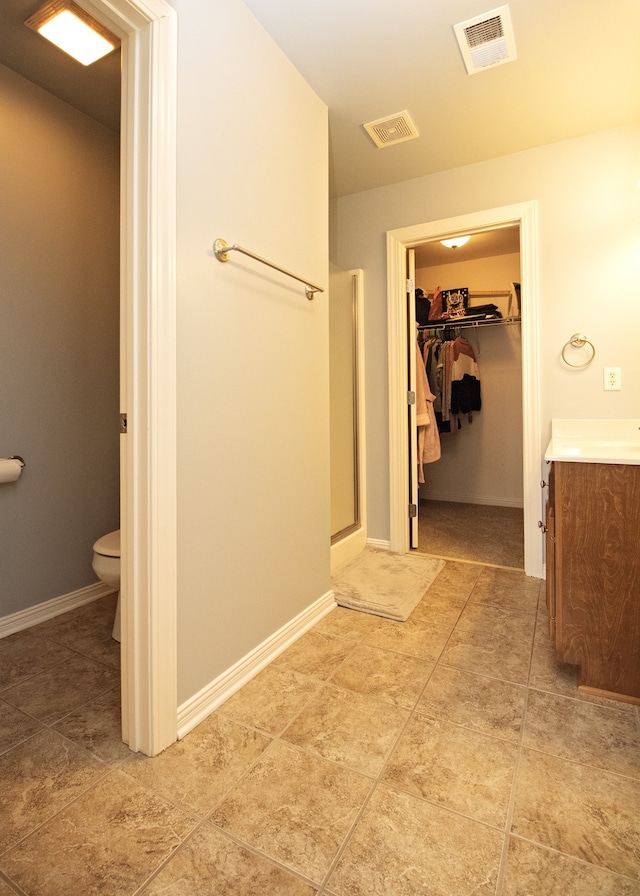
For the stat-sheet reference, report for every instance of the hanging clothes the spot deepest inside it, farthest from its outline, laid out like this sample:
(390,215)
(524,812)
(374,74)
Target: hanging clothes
(465,380)
(428,435)
(454,378)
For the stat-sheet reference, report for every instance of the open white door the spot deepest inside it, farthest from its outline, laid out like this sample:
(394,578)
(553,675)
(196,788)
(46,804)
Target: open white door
(411,398)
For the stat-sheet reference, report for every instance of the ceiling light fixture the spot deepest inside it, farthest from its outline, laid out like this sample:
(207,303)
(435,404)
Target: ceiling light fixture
(455,242)
(73,30)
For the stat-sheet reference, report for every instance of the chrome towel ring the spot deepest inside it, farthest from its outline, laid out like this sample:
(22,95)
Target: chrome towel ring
(578,341)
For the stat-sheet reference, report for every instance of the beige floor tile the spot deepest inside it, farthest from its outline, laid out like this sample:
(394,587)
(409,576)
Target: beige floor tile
(5,889)
(196,772)
(97,727)
(15,726)
(606,737)
(110,840)
(39,777)
(388,676)
(513,626)
(61,689)
(87,631)
(345,623)
(403,846)
(295,808)
(415,637)
(271,700)
(349,728)
(579,810)
(487,653)
(210,863)
(454,767)
(441,606)
(508,589)
(534,871)
(455,581)
(488,705)
(26,654)
(548,673)
(315,654)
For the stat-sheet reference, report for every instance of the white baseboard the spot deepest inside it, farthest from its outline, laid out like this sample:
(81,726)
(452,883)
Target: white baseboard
(197,708)
(379,544)
(17,622)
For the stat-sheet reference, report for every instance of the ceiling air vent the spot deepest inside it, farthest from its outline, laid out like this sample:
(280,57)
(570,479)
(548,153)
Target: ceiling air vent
(486,40)
(393,129)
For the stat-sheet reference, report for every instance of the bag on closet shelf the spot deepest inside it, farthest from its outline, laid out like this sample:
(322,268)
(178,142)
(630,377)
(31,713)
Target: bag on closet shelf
(435,311)
(423,306)
(455,302)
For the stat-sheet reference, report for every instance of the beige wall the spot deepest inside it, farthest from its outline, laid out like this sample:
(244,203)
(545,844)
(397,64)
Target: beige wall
(59,281)
(481,463)
(589,271)
(253,359)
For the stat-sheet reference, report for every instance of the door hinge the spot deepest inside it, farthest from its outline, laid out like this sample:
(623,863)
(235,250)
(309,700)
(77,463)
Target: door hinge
(411,397)
(410,286)
(123,423)
(413,511)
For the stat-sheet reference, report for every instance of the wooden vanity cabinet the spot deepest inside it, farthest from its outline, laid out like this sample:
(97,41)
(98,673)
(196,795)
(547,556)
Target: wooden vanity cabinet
(593,574)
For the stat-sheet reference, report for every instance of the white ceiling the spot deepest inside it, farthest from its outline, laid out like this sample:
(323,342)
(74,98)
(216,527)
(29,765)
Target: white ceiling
(577,72)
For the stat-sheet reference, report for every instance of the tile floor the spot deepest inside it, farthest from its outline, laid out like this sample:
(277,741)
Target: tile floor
(446,756)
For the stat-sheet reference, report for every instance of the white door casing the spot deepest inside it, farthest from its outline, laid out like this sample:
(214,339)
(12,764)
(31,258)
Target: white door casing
(398,241)
(148,29)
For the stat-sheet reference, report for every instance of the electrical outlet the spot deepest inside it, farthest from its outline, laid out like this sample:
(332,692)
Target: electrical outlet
(612,379)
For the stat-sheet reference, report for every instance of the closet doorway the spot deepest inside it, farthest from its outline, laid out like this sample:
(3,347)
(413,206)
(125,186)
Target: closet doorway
(523,217)
(470,496)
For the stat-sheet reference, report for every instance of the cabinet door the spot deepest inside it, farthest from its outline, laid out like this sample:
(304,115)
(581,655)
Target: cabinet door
(597,550)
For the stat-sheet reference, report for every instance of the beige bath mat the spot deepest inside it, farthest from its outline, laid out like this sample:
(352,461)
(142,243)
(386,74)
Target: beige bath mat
(385,584)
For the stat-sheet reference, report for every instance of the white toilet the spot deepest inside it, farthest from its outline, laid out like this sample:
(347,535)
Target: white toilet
(106,565)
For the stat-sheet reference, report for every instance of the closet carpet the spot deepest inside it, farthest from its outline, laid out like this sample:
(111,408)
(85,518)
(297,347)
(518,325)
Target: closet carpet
(472,532)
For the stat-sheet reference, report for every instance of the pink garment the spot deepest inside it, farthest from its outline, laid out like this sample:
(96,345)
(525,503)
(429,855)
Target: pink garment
(428,435)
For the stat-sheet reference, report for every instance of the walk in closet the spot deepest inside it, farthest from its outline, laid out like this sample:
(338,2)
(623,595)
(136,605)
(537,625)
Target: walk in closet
(476,485)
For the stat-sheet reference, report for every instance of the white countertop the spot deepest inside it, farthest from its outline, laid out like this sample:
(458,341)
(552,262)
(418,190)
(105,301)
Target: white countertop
(595,441)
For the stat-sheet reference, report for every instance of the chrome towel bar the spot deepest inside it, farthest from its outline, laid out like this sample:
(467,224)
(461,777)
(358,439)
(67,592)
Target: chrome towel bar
(221,250)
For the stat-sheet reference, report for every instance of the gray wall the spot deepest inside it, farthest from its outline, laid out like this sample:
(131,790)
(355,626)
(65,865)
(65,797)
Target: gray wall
(59,288)
(589,275)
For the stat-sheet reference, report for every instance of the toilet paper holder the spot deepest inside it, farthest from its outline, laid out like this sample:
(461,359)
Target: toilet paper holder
(18,458)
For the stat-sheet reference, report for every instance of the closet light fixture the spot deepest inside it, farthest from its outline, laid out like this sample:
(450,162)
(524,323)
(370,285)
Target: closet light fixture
(455,242)
(73,30)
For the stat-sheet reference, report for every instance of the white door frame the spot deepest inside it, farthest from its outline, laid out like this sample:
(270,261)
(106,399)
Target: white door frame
(148,29)
(398,241)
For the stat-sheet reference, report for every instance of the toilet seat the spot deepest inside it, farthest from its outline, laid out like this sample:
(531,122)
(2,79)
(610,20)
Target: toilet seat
(108,545)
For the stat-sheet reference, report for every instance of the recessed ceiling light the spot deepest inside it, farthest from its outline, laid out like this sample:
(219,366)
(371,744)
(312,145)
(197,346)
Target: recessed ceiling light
(73,30)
